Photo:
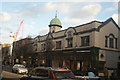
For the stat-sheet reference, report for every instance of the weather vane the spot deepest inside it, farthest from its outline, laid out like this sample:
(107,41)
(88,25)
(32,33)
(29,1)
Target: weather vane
(56,14)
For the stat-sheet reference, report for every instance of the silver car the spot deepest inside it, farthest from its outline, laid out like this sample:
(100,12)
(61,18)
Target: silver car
(18,68)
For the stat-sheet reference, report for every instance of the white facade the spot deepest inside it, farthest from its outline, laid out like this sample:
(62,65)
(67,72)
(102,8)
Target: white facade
(95,32)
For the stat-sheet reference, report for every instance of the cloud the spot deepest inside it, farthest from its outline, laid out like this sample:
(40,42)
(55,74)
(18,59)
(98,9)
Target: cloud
(60,0)
(61,7)
(4,17)
(115,17)
(77,21)
(32,11)
(5,38)
(89,8)
(86,11)
(112,8)
(72,14)
(82,14)
(44,31)
(72,20)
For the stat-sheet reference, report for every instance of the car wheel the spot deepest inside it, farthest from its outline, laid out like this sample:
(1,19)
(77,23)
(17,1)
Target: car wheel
(17,71)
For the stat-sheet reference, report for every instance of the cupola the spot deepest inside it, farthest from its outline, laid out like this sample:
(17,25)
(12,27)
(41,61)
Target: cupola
(55,25)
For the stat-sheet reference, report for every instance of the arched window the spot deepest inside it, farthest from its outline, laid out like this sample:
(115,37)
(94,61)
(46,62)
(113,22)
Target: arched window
(69,38)
(110,41)
(106,41)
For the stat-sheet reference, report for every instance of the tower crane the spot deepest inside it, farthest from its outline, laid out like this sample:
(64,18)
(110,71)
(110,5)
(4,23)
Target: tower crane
(14,36)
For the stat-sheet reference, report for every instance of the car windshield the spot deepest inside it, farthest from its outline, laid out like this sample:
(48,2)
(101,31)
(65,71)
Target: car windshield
(21,66)
(63,74)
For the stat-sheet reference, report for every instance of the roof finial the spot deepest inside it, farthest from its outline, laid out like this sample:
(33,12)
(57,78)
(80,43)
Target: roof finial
(56,14)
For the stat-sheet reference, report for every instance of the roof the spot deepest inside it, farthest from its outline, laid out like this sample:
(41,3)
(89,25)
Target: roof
(106,22)
(55,21)
(102,24)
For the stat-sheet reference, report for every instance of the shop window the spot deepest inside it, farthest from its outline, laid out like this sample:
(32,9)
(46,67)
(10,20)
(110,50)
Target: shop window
(85,41)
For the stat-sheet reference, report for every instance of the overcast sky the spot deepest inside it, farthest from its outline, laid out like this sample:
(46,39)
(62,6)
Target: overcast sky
(37,16)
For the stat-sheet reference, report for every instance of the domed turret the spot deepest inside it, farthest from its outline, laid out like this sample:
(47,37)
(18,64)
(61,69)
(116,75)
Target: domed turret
(55,21)
(55,25)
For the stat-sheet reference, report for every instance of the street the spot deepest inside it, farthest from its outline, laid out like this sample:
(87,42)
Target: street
(10,76)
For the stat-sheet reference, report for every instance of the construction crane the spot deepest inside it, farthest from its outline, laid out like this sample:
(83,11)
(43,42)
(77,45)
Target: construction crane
(14,36)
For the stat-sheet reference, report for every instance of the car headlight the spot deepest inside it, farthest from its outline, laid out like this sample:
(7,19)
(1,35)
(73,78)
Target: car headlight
(19,71)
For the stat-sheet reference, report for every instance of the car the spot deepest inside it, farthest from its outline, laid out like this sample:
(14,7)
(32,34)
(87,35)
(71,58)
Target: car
(90,76)
(48,73)
(18,68)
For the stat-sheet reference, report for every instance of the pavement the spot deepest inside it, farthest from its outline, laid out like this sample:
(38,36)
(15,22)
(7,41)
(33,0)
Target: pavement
(8,75)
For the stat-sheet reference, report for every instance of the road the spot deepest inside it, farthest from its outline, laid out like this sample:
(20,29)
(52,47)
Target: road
(10,76)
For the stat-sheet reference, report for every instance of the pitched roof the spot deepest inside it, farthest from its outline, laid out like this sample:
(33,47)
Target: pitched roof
(106,22)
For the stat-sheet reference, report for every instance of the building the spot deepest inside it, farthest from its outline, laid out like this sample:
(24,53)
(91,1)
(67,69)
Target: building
(6,53)
(94,45)
(22,50)
(0,59)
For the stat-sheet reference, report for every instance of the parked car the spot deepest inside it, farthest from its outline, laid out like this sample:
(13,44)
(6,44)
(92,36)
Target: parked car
(90,76)
(48,73)
(18,68)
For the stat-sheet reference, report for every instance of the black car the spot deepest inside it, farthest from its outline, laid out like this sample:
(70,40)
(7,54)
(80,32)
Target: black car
(47,73)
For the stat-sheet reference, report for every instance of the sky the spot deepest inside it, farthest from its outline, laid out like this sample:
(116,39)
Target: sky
(36,16)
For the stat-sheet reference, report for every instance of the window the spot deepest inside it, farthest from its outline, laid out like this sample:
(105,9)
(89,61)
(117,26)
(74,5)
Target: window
(69,42)
(43,46)
(116,43)
(70,34)
(85,41)
(106,41)
(41,72)
(111,42)
(58,44)
(63,75)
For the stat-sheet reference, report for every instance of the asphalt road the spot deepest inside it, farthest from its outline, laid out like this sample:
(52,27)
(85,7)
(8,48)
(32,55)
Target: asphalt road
(10,76)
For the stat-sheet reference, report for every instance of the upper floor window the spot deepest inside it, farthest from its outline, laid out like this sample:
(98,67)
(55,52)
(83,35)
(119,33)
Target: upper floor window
(85,41)
(106,39)
(111,41)
(69,42)
(70,34)
(116,43)
(58,44)
(43,46)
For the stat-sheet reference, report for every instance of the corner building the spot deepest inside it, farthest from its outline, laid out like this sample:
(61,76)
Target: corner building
(94,45)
